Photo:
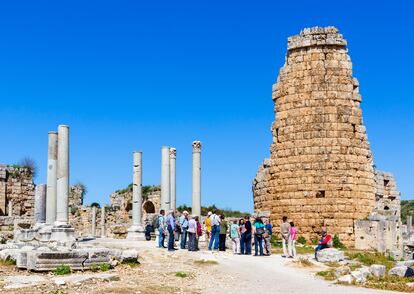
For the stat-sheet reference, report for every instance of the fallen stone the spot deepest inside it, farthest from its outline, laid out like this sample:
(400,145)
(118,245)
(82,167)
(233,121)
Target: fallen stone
(16,282)
(9,254)
(130,255)
(78,279)
(377,270)
(342,270)
(347,279)
(330,255)
(398,271)
(405,263)
(359,276)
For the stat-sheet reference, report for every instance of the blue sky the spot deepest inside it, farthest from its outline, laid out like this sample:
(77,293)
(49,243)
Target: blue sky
(129,75)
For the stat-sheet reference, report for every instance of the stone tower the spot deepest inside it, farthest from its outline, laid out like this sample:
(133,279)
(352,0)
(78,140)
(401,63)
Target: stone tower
(320,170)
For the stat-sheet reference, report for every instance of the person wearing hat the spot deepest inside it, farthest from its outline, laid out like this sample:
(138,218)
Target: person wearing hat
(323,243)
(207,223)
(184,228)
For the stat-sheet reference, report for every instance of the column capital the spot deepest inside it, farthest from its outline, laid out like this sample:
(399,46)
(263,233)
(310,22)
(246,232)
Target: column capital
(173,152)
(196,146)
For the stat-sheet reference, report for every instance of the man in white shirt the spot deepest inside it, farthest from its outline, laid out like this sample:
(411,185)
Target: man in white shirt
(215,230)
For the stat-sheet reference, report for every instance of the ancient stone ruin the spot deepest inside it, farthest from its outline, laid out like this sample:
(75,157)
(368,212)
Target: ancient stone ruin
(320,172)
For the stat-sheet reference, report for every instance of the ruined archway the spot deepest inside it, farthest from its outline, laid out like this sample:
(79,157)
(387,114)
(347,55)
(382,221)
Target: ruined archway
(149,207)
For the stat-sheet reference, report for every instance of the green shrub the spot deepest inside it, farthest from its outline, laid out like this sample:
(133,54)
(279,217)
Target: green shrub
(181,274)
(368,258)
(94,268)
(337,243)
(302,240)
(275,242)
(104,267)
(8,261)
(62,270)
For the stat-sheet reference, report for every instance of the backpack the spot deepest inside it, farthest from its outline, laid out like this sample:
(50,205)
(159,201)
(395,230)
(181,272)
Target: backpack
(156,222)
(199,231)
(260,231)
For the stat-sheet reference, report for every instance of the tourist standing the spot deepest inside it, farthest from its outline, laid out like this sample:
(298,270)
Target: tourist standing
(199,232)
(207,223)
(170,228)
(184,227)
(161,229)
(235,237)
(323,243)
(259,230)
(266,237)
(215,230)
(247,235)
(242,230)
(192,231)
(292,240)
(285,233)
(223,232)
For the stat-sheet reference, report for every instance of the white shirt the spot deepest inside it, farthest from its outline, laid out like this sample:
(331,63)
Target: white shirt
(214,220)
(192,226)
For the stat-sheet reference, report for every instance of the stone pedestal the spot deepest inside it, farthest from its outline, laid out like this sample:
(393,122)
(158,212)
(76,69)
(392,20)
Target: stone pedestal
(165,178)
(173,155)
(196,205)
(136,231)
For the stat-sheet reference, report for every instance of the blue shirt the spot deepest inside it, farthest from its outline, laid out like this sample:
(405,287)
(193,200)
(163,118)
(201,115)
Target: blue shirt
(184,221)
(269,229)
(171,221)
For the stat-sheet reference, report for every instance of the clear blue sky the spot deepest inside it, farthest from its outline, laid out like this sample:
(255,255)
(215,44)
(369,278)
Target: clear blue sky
(129,75)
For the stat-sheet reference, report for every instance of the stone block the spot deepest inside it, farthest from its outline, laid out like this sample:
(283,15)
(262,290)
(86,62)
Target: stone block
(347,279)
(377,270)
(398,271)
(330,255)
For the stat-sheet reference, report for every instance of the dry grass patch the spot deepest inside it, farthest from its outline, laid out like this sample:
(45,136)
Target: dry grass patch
(333,264)
(393,283)
(303,262)
(205,262)
(328,275)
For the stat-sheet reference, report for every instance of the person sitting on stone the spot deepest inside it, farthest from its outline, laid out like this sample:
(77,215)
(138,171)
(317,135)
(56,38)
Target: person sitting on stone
(323,243)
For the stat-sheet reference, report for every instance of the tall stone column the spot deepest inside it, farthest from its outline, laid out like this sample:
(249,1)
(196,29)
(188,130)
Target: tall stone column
(165,178)
(173,155)
(196,205)
(93,221)
(62,232)
(51,178)
(10,209)
(103,221)
(136,231)
(40,204)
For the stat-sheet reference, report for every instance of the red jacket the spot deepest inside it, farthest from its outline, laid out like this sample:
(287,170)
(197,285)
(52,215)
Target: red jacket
(326,240)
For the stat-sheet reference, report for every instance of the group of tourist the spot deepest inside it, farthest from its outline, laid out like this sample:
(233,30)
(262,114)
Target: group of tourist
(187,231)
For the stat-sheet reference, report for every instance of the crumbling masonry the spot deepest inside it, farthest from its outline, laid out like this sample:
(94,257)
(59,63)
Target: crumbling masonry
(320,172)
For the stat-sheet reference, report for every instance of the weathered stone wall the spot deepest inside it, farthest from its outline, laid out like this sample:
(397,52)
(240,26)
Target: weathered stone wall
(118,215)
(16,185)
(320,171)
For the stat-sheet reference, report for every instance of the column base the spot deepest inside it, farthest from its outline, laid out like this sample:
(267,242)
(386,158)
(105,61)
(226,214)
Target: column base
(136,233)
(63,234)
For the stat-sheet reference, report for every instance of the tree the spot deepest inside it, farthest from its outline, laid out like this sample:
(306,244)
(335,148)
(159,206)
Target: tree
(30,164)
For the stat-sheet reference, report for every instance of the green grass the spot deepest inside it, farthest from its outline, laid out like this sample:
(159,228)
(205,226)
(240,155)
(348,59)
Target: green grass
(333,264)
(8,262)
(181,274)
(393,283)
(131,263)
(205,262)
(104,267)
(328,275)
(62,270)
(370,258)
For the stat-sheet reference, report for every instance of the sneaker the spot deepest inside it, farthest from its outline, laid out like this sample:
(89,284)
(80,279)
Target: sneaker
(284,256)
(290,256)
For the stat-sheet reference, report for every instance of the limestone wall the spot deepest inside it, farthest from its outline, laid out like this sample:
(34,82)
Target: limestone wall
(16,185)
(320,170)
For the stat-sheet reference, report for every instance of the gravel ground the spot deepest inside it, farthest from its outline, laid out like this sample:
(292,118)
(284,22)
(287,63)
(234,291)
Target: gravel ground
(205,272)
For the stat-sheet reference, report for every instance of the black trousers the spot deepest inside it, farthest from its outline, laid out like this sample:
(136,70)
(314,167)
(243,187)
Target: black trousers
(222,242)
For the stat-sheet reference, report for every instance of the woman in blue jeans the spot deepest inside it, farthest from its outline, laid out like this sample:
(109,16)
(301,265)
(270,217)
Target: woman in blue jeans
(258,236)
